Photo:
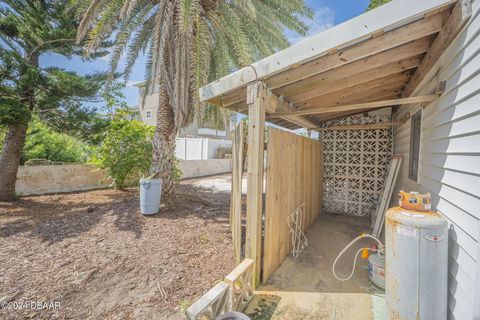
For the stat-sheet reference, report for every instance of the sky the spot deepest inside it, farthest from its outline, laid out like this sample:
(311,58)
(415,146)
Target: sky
(328,13)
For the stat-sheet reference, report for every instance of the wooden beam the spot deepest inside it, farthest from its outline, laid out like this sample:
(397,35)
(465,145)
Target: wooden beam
(412,49)
(356,95)
(274,104)
(339,115)
(378,44)
(256,95)
(374,126)
(301,121)
(354,73)
(363,106)
(392,15)
(460,15)
(357,79)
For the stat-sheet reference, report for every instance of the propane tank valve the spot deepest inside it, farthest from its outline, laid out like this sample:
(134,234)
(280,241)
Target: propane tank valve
(381,250)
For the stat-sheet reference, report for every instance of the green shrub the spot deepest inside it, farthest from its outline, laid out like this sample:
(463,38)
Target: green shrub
(44,143)
(126,150)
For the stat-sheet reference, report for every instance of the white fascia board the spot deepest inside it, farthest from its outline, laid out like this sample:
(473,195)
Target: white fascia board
(395,13)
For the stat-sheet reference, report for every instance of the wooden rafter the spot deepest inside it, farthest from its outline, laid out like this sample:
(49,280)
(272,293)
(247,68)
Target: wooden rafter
(402,58)
(378,44)
(357,79)
(360,92)
(461,13)
(363,106)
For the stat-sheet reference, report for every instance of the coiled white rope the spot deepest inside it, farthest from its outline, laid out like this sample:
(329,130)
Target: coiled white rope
(379,250)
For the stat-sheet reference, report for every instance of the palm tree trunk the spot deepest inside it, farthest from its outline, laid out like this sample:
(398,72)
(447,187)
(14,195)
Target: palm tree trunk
(164,143)
(10,160)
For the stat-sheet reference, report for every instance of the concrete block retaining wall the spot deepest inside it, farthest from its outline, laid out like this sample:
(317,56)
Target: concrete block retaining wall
(80,177)
(59,178)
(201,168)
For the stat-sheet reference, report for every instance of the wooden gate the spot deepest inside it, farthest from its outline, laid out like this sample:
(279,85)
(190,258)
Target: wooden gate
(294,177)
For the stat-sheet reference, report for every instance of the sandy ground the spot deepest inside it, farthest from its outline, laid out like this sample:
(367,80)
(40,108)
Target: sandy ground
(306,289)
(92,255)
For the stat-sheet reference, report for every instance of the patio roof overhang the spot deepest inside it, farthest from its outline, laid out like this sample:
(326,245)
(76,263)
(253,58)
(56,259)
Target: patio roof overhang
(378,59)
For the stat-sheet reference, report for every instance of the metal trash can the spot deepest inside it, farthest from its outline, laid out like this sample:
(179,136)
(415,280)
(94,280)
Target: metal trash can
(233,316)
(150,196)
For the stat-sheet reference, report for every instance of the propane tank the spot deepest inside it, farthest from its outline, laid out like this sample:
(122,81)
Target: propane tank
(416,260)
(376,268)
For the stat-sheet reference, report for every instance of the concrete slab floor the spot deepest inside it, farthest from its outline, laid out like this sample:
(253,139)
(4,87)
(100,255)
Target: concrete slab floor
(307,289)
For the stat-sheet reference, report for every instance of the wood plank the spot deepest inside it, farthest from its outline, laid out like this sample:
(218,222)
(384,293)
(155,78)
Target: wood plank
(236,192)
(294,176)
(356,79)
(274,104)
(385,42)
(391,15)
(359,93)
(460,15)
(212,304)
(338,115)
(376,94)
(375,126)
(301,121)
(256,95)
(381,43)
(367,105)
(406,57)
(389,186)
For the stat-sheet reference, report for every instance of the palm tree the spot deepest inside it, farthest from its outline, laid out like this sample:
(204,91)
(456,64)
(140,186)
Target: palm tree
(187,43)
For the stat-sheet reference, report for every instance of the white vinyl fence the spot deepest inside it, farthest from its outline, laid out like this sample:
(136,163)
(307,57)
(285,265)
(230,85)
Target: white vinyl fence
(199,148)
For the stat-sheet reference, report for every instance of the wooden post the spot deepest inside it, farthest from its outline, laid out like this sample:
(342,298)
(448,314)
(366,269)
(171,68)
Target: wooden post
(256,94)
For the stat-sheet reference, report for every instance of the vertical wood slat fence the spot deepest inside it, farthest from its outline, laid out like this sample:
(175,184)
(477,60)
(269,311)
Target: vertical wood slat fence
(294,176)
(238,163)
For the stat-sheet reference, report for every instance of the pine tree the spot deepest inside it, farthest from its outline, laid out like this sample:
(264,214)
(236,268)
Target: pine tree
(28,29)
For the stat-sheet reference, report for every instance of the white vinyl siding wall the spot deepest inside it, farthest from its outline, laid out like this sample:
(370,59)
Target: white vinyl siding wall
(450,159)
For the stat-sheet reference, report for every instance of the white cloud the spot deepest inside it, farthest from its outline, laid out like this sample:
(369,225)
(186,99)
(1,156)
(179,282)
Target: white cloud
(323,19)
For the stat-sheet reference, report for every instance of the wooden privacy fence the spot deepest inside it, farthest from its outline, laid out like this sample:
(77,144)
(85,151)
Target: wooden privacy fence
(238,164)
(294,177)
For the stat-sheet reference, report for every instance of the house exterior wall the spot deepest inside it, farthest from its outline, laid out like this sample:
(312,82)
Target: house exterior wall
(151,106)
(450,159)
(148,112)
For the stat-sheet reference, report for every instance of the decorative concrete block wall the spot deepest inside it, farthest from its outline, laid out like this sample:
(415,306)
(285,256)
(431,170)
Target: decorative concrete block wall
(355,163)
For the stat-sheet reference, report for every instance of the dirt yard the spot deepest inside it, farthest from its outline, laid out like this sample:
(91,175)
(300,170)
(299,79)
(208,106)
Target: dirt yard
(92,255)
